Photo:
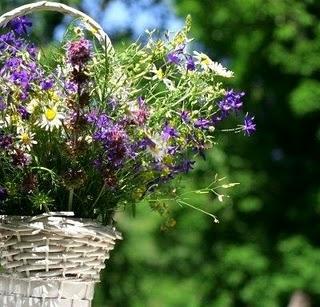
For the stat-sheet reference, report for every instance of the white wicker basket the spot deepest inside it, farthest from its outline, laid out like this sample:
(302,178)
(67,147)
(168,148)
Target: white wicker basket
(52,260)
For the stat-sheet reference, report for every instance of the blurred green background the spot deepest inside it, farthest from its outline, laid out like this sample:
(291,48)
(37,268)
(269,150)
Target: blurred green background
(266,247)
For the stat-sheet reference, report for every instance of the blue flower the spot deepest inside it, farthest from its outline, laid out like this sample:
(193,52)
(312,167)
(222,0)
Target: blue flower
(248,126)
(231,102)
(202,123)
(173,58)
(46,84)
(169,132)
(190,64)
(20,25)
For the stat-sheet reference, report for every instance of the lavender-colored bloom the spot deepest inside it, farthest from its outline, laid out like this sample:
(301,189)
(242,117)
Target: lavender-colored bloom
(190,64)
(21,78)
(20,25)
(32,50)
(173,57)
(23,112)
(231,102)
(79,52)
(185,116)
(169,132)
(13,63)
(46,84)
(3,193)
(202,123)
(6,141)
(248,126)
(71,87)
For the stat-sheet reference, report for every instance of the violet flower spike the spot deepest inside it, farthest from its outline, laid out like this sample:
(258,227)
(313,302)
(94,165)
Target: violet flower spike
(248,126)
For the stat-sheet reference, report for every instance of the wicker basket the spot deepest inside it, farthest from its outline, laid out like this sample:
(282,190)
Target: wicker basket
(53,259)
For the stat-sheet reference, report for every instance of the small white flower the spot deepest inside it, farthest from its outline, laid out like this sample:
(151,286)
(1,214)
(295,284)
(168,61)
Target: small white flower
(203,60)
(220,70)
(26,138)
(159,148)
(208,65)
(51,118)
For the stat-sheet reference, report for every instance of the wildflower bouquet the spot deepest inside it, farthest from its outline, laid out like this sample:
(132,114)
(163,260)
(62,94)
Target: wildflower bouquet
(88,130)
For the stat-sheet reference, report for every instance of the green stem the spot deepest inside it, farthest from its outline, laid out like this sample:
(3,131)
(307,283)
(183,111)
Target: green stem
(70,200)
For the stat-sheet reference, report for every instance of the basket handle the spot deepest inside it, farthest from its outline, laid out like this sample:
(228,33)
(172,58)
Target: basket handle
(88,22)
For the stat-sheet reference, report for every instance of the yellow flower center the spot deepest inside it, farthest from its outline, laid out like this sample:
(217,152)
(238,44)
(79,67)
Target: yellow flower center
(160,74)
(25,138)
(50,114)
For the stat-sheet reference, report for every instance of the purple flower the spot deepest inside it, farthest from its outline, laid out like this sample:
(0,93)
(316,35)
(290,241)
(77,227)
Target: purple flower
(20,158)
(202,123)
(13,63)
(185,117)
(32,50)
(190,64)
(20,25)
(79,52)
(248,126)
(23,112)
(231,102)
(173,57)
(46,84)
(169,132)
(71,87)
(6,141)
(21,78)
(3,193)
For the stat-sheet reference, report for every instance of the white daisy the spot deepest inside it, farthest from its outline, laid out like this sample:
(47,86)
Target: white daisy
(51,118)
(220,70)
(26,138)
(208,65)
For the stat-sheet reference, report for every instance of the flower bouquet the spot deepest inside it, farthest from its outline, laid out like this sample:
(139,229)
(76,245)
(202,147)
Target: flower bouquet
(84,131)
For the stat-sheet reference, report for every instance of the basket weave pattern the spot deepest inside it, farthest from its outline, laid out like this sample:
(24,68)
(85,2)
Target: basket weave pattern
(48,246)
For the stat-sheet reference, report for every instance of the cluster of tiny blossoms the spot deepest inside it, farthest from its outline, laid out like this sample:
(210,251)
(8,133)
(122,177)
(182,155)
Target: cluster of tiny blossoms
(93,132)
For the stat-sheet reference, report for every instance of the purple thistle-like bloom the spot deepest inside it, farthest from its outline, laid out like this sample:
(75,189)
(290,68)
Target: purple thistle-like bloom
(23,112)
(3,193)
(20,25)
(79,52)
(173,57)
(46,84)
(248,126)
(202,123)
(169,132)
(190,64)
(231,102)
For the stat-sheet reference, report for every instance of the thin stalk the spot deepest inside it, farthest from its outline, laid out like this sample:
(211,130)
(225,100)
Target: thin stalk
(70,200)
